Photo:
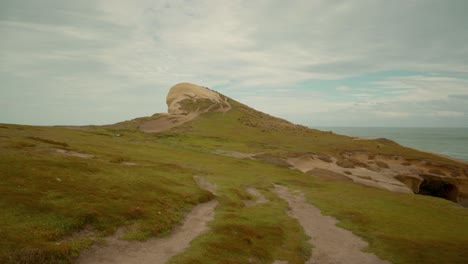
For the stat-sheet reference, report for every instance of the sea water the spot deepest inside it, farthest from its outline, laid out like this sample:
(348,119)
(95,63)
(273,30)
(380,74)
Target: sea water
(446,141)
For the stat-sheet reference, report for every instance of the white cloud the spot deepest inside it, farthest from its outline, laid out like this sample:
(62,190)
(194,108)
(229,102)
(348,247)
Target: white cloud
(267,43)
(104,51)
(393,114)
(363,95)
(342,88)
(448,114)
(423,88)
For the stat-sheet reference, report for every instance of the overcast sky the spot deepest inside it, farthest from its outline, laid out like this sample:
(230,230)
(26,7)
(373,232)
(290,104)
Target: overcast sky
(318,63)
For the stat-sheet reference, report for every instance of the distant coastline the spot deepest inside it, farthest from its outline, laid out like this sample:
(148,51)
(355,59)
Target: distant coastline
(450,142)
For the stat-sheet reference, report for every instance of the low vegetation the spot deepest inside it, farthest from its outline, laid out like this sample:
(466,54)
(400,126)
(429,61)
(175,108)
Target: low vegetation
(54,205)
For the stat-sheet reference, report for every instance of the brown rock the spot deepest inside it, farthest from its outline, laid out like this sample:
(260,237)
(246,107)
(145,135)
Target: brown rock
(358,163)
(465,171)
(325,158)
(442,187)
(328,175)
(344,163)
(413,182)
(416,171)
(436,172)
(382,164)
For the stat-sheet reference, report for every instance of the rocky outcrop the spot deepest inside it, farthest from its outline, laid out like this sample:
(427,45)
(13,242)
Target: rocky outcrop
(412,181)
(328,175)
(437,186)
(344,169)
(422,176)
(187,98)
(390,172)
(185,101)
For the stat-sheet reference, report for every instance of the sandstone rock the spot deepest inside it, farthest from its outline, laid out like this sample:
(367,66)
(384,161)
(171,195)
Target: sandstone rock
(416,171)
(344,163)
(325,158)
(358,163)
(436,171)
(382,164)
(412,181)
(443,187)
(187,98)
(328,175)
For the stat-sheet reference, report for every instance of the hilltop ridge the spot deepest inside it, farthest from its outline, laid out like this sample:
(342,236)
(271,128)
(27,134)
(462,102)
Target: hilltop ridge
(187,98)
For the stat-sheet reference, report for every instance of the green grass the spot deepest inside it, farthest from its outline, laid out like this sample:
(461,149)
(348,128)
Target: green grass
(271,135)
(47,198)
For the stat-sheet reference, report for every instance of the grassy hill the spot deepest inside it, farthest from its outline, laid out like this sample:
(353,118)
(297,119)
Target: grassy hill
(64,189)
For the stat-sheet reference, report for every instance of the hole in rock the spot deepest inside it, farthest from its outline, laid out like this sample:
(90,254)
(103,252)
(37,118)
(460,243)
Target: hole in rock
(438,188)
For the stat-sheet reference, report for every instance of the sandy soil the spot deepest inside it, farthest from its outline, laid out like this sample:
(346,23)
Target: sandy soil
(73,153)
(235,154)
(332,245)
(204,184)
(129,163)
(156,250)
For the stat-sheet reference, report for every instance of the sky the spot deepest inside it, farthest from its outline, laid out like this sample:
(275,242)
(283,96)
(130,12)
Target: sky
(313,62)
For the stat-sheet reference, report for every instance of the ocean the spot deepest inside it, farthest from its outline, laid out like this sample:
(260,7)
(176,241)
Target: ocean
(446,141)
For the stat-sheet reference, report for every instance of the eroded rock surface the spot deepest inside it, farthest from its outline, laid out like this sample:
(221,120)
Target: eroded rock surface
(393,173)
(185,101)
(187,98)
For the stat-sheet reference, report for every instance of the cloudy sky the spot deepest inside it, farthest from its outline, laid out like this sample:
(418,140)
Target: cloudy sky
(318,63)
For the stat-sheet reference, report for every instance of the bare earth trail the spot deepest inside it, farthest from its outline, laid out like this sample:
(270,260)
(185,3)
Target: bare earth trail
(155,250)
(332,244)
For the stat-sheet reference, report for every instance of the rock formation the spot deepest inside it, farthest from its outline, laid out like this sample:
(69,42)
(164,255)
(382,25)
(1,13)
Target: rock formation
(187,98)
(394,173)
(185,101)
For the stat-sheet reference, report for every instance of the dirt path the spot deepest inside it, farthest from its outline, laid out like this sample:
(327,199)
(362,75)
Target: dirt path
(332,244)
(156,250)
